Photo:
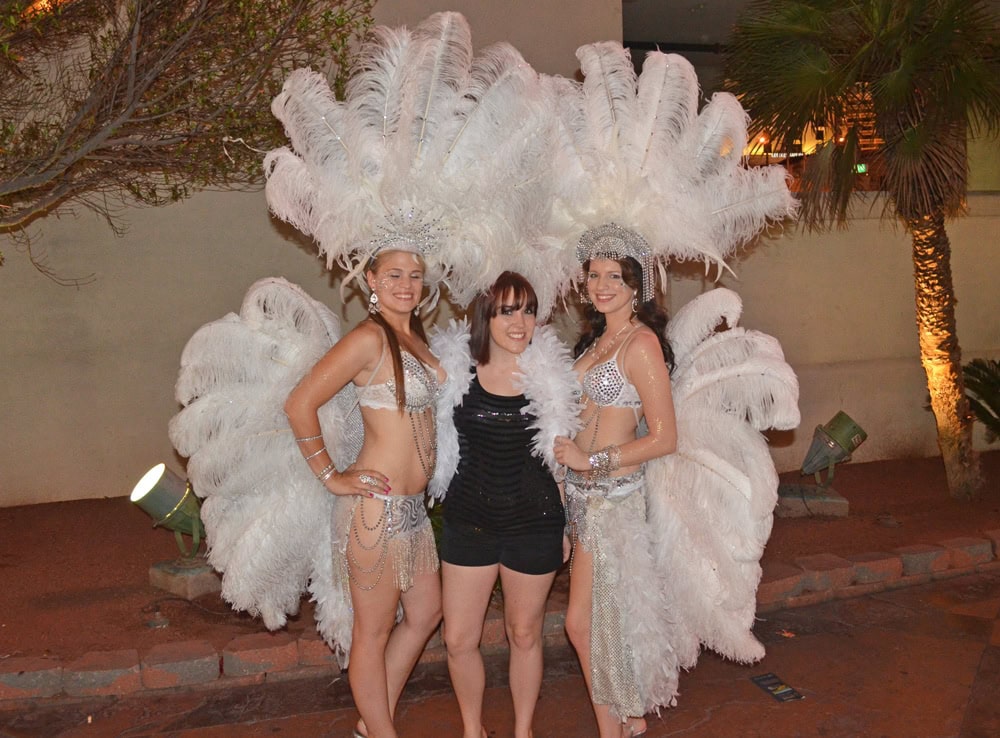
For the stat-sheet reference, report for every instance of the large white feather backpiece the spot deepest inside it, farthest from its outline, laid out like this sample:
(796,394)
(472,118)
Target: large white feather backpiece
(270,525)
(434,150)
(636,151)
(711,502)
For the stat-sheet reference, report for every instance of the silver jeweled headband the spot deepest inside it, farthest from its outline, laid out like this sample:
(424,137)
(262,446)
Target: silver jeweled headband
(408,230)
(612,241)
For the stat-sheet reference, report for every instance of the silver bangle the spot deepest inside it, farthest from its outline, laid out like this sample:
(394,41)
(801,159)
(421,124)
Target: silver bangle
(327,472)
(303,439)
(314,454)
(615,457)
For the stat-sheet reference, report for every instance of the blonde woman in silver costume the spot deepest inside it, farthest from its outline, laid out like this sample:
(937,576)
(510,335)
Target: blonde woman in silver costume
(613,602)
(390,554)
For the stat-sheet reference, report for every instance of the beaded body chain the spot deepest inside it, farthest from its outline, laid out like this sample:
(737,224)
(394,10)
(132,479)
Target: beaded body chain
(420,411)
(382,541)
(422,391)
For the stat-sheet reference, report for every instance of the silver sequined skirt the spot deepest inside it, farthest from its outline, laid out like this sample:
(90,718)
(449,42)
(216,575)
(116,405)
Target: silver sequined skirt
(608,516)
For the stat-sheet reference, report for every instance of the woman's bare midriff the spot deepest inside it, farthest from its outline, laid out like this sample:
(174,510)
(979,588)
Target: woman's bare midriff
(389,448)
(616,427)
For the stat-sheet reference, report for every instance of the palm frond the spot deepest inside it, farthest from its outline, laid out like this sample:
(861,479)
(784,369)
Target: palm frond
(928,71)
(982,386)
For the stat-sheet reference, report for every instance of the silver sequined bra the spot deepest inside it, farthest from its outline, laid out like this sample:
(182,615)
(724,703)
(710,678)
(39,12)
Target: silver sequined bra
(419,381)
(605,384)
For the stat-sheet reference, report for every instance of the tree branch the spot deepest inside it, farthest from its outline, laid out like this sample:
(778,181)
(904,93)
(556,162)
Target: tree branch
(134,99)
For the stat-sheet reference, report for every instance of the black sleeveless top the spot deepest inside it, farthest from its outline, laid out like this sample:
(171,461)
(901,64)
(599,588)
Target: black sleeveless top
(499,485)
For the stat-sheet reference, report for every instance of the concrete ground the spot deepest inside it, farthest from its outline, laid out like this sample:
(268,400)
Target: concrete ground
(916,662)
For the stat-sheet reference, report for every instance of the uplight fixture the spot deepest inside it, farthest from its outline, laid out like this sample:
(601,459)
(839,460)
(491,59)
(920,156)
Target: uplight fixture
(172,504)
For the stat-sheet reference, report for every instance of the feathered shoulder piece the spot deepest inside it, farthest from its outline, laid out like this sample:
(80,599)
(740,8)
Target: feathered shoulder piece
(545,376)
(434,150)
(553,391)
(636,153)
(451,346)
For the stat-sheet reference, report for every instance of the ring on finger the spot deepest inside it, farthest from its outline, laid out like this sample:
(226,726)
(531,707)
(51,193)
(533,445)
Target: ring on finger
(367,479)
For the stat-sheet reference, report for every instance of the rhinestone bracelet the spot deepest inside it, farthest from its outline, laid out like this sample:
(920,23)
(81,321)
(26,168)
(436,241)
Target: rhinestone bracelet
(605,461)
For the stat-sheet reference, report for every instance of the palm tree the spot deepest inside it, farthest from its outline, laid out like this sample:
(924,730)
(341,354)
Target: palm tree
(900,84)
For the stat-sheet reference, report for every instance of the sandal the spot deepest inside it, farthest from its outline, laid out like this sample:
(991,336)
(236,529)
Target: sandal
(631,725)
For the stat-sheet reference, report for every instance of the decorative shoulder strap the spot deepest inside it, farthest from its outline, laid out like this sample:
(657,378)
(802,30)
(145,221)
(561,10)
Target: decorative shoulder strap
(378,365)
(625,342)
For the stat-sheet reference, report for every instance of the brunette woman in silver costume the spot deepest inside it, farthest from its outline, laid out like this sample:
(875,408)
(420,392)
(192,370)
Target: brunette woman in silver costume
(623,367)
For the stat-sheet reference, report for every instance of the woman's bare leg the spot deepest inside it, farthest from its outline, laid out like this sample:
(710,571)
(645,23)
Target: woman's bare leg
(467,591)
(578,614)
(383,653)
(421,617)
(374,618)
(524,597)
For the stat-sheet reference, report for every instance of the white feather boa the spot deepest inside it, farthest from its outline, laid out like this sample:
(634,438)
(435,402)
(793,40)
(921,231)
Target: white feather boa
(546,378)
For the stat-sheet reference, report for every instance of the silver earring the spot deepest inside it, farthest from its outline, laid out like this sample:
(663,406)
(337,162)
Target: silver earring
(585,297)
(635,303)
(373,307)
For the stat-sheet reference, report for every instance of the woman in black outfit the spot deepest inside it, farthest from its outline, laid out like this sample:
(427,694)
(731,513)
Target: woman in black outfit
(504,513)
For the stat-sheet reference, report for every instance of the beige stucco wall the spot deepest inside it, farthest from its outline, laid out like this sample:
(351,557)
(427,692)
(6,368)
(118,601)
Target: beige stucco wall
(87,374)
(842,305)
(547,32)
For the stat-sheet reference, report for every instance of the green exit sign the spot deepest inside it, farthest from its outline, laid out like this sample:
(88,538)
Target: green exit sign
(861,169)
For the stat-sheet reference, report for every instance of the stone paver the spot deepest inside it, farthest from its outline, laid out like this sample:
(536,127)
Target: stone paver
(876,566)
(103,673)
(825,571)
(993,536)
(966,551)
(180,664)
(778,582)
(923,558)
(259,653)
(29,677)
(313,651)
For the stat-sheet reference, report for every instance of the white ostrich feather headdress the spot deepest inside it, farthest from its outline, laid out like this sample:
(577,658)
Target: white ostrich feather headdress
(434,151)
(643,169)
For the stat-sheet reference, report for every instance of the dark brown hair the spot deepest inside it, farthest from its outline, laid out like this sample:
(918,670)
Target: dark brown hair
(485,307)
(415,325)
(649,312)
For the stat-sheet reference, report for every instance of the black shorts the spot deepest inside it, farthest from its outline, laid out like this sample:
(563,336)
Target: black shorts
(537,552)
